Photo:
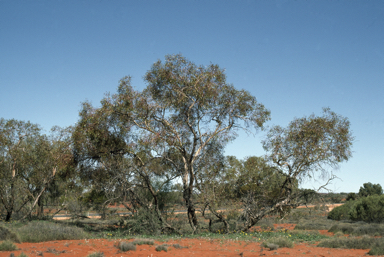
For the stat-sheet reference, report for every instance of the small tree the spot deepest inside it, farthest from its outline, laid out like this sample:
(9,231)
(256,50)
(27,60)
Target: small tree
(369,189)
(306,148)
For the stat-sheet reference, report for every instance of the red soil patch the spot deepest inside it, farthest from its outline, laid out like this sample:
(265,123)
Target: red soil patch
(196,247)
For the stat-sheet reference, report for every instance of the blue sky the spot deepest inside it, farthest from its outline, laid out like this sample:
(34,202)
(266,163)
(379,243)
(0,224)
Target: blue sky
(294,56)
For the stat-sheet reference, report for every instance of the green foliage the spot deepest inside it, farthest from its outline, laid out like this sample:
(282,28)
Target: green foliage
(7,246)
(351,197)
(41,231)
(369,189)
(24,255)
(163,247)
(7,234)
(126,246)
(369,209)
(342,212)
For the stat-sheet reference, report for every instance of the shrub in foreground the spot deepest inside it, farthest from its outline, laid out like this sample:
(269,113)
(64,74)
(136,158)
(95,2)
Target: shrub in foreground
(163,247)
(7,234)
(277,241)
(364,242)
(126,246)
(7,246)
(96,254)
(36,231)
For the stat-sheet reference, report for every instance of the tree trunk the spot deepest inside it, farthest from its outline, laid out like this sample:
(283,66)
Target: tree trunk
(8,217)
(191,212)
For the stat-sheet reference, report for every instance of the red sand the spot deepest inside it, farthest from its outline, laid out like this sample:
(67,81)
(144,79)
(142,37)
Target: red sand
(196,247)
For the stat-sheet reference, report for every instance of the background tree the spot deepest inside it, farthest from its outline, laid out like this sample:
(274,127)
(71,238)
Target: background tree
(306,148)
(16,147)
(370,189)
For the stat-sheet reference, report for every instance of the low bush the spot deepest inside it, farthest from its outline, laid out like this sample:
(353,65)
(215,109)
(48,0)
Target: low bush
(279,241)
(126,246)
(177,246)
(143,242)
(369,209)
(377,248)
(7,234)
(163,247)
(342,212)
(345,228)
(96,254)
(7,246)
(36,231)
(364,242)
(369,229)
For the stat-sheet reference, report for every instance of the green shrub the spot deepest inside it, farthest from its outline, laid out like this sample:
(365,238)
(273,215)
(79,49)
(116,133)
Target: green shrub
(369,209)
(126,246)
(7,246)
(47,231)
(377,248)
(143,242)
(343,227)
(341,212)
(271,246)
(163,247)
(144,222)
(279,241)
(177,246)
(364,242)
(96,254)
(7,234)
(369,229)
(23,255)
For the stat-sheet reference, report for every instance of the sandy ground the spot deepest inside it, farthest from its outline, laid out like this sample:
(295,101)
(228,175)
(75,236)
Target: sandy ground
(193,247)
(196,247)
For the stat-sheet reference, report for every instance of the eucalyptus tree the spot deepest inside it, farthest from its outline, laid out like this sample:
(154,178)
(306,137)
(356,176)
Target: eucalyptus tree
(17,140)
(115,160)
(183,108)
(308,147)
(29,163)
